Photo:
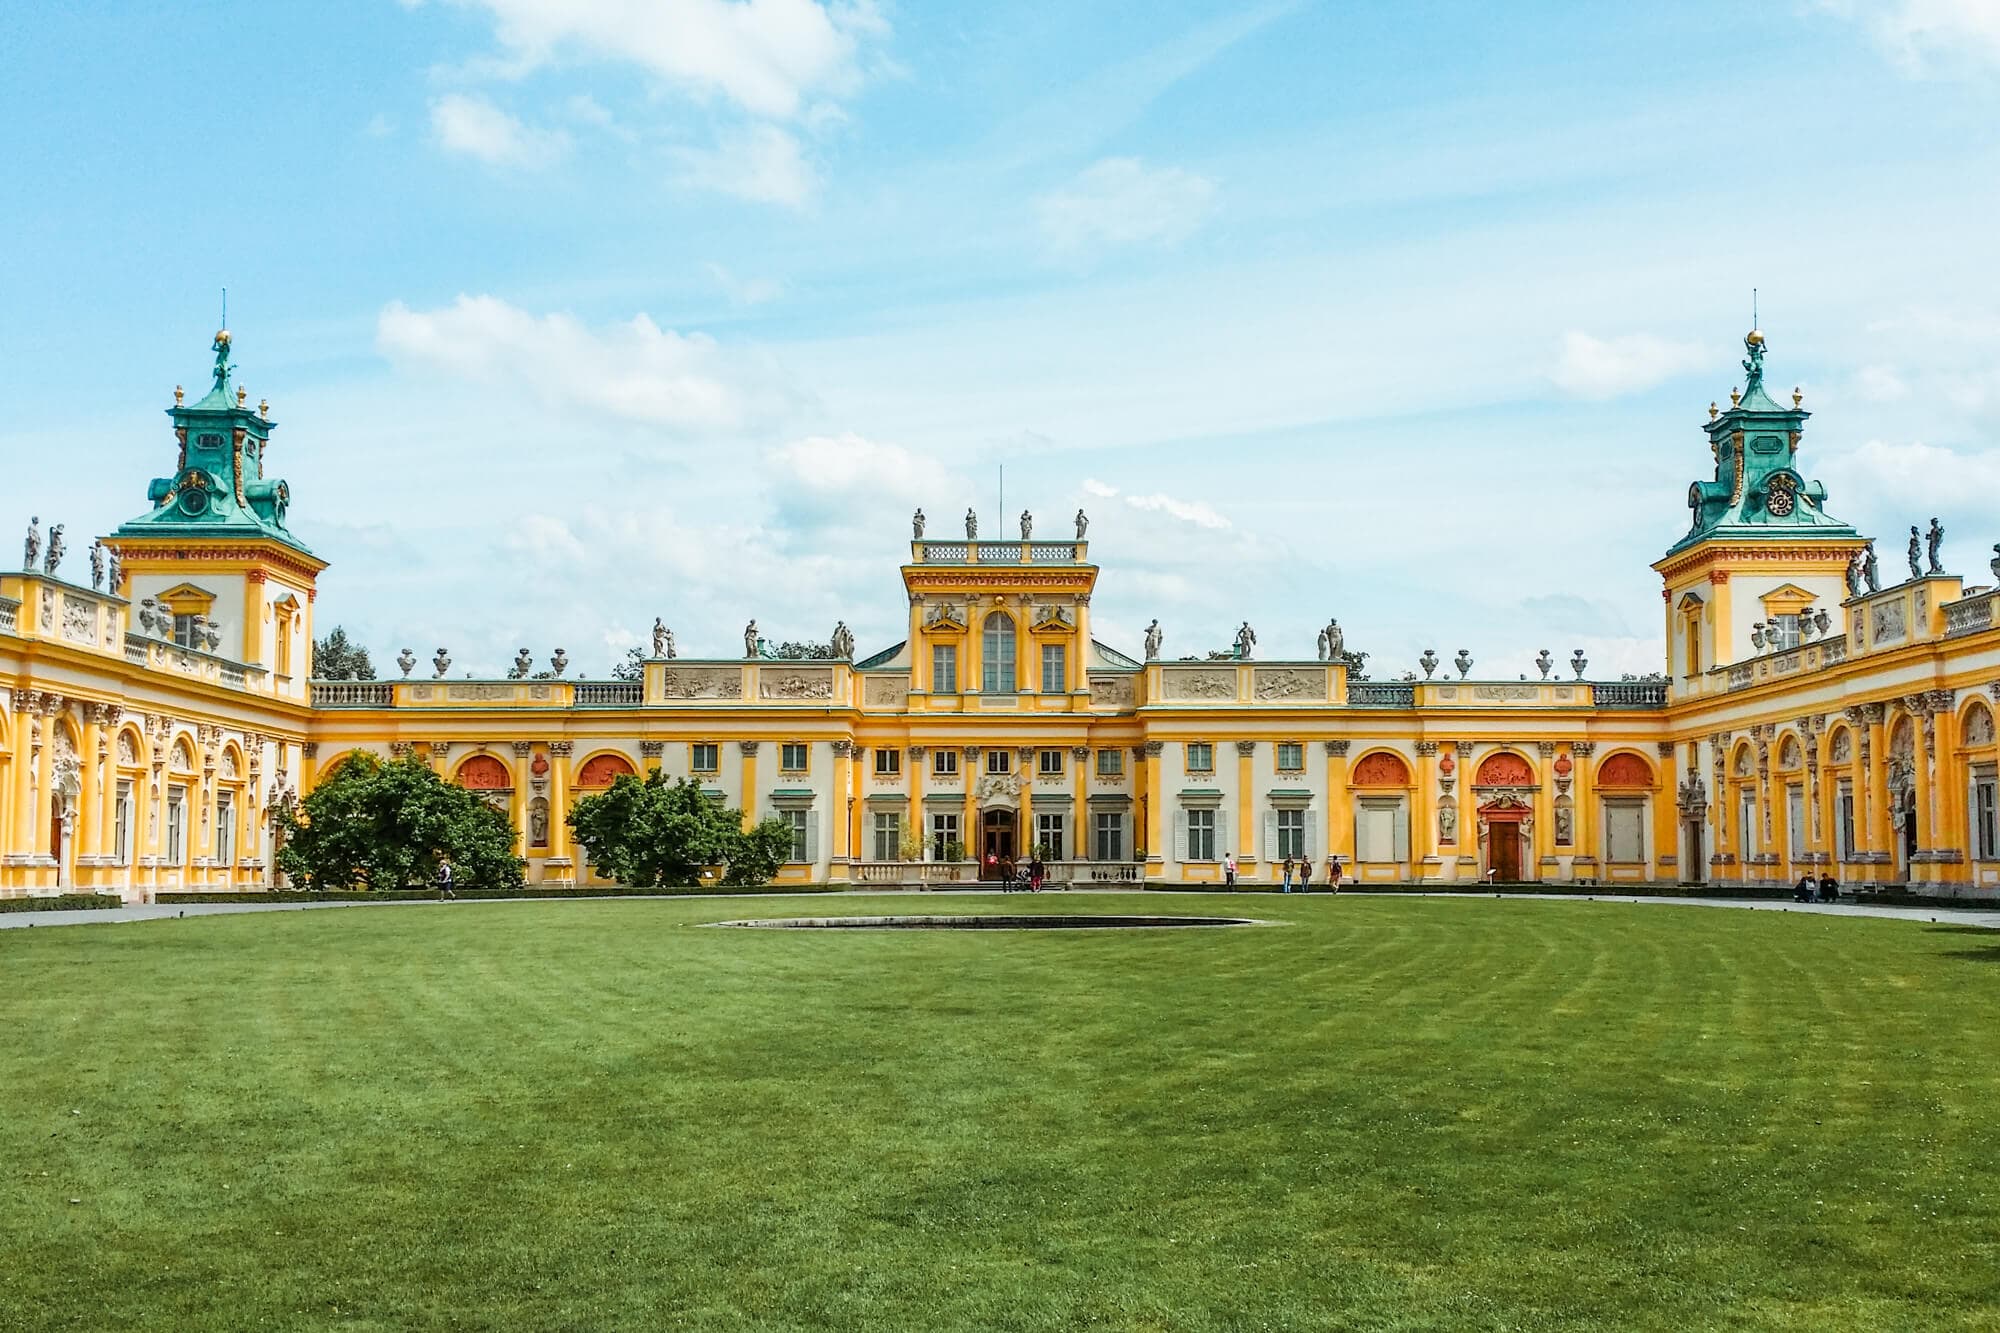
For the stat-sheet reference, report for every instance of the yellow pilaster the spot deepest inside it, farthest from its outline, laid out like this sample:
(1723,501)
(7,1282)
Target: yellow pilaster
(914,759)
(1251,839)
(1880,832)
(1339,806)
(1424,808)
(560,835)
(843,803)
(1079,829)
(1583,804)
(968,820)
(1666,811)
(89,813)
(253,620)
(1153,750)
(1926,796)
(749,781)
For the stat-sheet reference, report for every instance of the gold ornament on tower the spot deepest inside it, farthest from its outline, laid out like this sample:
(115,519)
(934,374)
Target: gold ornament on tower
(1798,398)
(1754,338)
(241,394)
(179,394)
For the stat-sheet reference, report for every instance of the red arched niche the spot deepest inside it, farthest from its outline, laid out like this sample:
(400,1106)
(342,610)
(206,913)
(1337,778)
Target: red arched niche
(1625,770)
(483,772)
(1504,770)
(1380,769)
(602,770)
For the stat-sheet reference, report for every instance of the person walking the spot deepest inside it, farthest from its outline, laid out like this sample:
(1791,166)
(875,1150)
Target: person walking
(1229,871)
(1333,874)
(444,879)
(1305,874)
(1037,869)
(1288,873)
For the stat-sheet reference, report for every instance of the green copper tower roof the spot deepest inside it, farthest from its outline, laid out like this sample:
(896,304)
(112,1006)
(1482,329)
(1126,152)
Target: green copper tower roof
(1758,493)
(218,488)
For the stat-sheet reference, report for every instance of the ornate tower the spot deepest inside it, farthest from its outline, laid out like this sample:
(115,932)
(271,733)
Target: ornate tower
(224,573)
(1762,550)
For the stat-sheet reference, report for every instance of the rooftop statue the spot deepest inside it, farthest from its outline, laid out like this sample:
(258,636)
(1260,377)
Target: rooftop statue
(917,526)
(971,525)
(659,637)
(32,548)
(1916,560)
(1933,540)
(750,639)
(1027,525)
(1246,641)
(1082,524)
(1154,638)
(1869,569)
(97,564)
(843,640)
(53,560)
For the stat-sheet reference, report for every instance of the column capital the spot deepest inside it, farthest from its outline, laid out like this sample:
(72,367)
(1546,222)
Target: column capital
(747,747)
(1338,749)
(1246,748)
(647,749)
(918,751)
(1583,749)
(1152,749)
(843,748)
(561,747)
(522,749)
(1546,749)
(1079,752)
(1425,749)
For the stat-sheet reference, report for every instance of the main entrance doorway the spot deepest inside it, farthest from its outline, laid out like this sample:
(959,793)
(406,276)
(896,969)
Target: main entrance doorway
(1503,849)
(996,843)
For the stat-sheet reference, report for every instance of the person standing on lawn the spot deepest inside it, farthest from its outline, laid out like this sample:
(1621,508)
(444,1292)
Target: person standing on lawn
(444,879)
(1305,874)
(1229,871)
(1288,873)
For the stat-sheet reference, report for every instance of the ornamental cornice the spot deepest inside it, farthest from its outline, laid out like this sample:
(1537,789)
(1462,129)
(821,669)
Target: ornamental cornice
(1246,748)
(263,548)
(1791,549)
(994,579)
(748,747)
(1426,749)
(843,748)
(1338,749)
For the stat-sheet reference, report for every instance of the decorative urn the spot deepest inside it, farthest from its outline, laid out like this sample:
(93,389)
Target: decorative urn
(560,662)
(1429,661)
(406,660)
(441,663)
(1543,661)
(1577,662)
(1463,662)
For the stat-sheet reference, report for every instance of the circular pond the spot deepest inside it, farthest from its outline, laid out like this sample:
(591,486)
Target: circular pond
(986,922)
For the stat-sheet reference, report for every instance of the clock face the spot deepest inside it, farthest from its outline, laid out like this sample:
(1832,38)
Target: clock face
(1782,498)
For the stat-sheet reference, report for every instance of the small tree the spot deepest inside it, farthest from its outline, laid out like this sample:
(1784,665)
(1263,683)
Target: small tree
(337,658)
(660,832)
(371,825)
(632,666)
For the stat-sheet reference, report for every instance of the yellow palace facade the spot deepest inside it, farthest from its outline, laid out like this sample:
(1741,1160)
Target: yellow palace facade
(1811,717)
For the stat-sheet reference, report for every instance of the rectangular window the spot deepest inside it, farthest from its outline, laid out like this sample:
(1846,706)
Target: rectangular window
(1291,757)
(225,828)
(944,763)
(184,632)
(792,757)
(1055,672)
(1201,835)
(944,668)
(1291,833)
(1783,633)
(888,832)
(1795,816)
(121,830)
(1050,763)
(1624,832)
(176,825)
(1200,757)
(1049,836)
(1845,805)
(944,837)
(1110,763)
(888,763)
(705,756)
(999,761)
(1381,831)
(798,819)
(1985,820)
(1109,842)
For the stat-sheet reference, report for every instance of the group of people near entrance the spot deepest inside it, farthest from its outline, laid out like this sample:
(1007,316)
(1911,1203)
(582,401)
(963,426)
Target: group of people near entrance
(1013,876)
(1298,871)
(1825,889)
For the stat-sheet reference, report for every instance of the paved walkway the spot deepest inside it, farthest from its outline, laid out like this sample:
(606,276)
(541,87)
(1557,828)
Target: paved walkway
(1989,918)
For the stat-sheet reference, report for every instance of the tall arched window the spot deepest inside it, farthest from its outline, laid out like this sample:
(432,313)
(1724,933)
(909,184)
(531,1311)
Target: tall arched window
(997,655)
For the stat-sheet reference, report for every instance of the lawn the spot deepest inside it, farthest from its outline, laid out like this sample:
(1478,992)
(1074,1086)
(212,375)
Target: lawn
(1397,1114)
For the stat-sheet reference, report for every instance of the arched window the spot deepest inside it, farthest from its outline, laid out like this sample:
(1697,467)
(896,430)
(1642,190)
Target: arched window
(997,655)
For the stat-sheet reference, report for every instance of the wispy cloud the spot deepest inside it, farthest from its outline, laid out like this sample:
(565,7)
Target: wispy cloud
(1122,201)
(477,128)
(1929,36)
(1592,367)
(634,371)
(764,164)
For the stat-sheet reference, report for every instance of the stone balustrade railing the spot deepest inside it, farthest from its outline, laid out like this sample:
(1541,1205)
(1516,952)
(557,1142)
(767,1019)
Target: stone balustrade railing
(1969,615)
(1629,694)
(9,610)
(1381,694)
(353,694)
(610,693)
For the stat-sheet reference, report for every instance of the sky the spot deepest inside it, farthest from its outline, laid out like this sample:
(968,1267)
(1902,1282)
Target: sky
(574,313)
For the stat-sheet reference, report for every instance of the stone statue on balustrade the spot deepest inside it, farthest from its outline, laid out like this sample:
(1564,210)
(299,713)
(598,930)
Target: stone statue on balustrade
(112,574)
(1332,642)
(559,663)
(917,526)
(843,641)
(1082,524)
(32,548)
(1856,573)
(971,525)
(1154,638)
(53,560)
(750,639)
(1932,541)
(97,565)
(1871,571)
(1027,525)
(659,637)
(1916,560)
(406,660)
(1246,641)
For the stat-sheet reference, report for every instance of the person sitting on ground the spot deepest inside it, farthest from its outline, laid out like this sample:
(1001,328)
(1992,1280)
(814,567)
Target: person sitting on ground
(1829,889)
(1807,889)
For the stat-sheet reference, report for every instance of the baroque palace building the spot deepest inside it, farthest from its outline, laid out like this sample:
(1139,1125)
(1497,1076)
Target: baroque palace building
(1807,718)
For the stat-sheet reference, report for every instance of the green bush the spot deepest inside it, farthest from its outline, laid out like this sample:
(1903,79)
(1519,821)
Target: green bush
(371,825)
(660,832)
(66,902)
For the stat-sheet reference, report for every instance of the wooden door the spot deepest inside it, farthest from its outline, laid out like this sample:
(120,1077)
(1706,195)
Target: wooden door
(1505,854)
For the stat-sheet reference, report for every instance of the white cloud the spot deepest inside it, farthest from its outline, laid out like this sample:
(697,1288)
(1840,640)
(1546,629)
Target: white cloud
(1197,512)
(763,163)
(745,291)
(1092,486)
(1591,367)
(633,371)
(841,469)
(542,538)
(1121,201)
(1881,384)
(477,128)
(1907,475)
(1925,36)
(768,57)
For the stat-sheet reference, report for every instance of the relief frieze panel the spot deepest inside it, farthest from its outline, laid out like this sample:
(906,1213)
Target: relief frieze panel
(1198,683)
(702,683)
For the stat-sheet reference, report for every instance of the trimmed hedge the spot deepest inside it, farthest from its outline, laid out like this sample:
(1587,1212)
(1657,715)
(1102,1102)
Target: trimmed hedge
(529,891)
(67,902)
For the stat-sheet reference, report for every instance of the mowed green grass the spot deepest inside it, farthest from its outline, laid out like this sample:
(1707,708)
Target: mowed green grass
(1399,1114)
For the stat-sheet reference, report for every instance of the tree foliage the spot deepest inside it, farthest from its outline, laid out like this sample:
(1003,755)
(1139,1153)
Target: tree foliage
(632,666)
(336,657)
(657,832)
(793,650)
(375,825)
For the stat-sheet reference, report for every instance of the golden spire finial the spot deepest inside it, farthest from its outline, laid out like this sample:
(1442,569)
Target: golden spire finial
(179,394)
(1797,397)
(1736,398)
(1713,410)
(241,394)
(264,408)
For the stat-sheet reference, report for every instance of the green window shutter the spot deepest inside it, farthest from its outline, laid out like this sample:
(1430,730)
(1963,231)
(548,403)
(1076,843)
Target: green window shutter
(1180,836)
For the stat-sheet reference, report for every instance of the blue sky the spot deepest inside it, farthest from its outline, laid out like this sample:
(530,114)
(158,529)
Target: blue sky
(578,312)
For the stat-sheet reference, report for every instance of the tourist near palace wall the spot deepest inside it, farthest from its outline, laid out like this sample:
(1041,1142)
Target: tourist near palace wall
(1811,715)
